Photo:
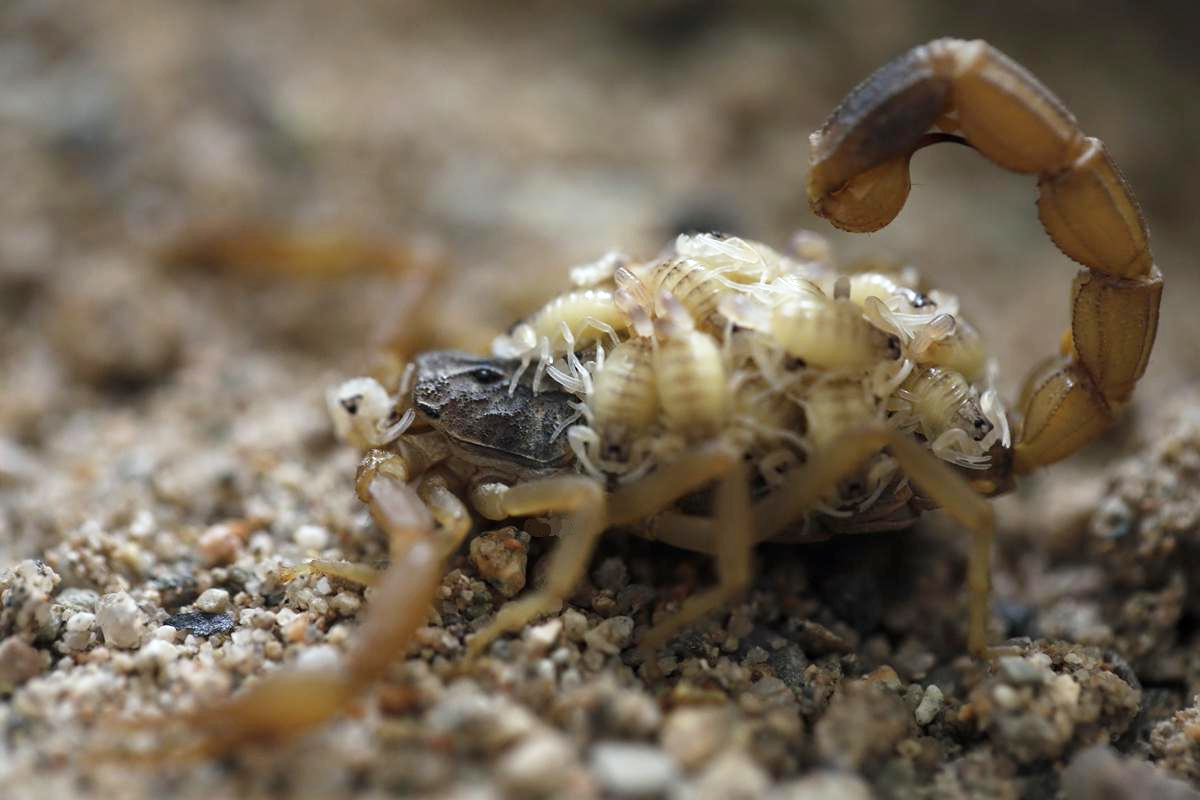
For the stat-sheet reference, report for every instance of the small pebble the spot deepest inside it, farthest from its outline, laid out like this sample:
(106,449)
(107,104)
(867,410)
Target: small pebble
(157,652)
(826,785)
(632,770)
(19,662)
(634,713)
(930,706)
(575,624)
(346,603)
(610,636)
(1064,690)
(78,635)
(120,620)
(500,557)
(213,601)
(311,537)
(1006,697)
(535,766)
(884,676)
(319,657)
(1021,671)
(693,735)
(789,664)
(219,544)
(732,776)
(541,638)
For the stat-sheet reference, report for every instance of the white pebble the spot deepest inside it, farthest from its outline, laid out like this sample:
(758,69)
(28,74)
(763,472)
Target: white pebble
(732,774)
(824,785)
(1065,691)
(540,638)
(119,619)
(157,651)
(632,769)
(79,631)
(694,734)
(166,633)
(213,601)
(1006,697)
(311,537)
(535,766)
(346,603)
(930,706)
(319,657)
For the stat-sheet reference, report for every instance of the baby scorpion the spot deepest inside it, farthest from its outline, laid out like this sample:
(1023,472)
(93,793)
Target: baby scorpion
(781,388)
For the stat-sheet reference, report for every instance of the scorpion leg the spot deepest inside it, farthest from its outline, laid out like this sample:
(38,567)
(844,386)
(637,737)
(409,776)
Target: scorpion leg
(966,507)
(859,181)
(291,702)
(351,572)
(937,480)
(733,548)
(448,511)
(583,498)
(591,513)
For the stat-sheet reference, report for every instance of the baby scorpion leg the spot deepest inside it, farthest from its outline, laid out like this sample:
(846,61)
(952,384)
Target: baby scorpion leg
(859,181)
(938,481)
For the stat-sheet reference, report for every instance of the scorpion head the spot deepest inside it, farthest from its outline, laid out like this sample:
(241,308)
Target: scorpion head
(488,415)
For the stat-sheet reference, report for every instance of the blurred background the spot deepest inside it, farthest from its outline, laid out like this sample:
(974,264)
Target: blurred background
(494,144)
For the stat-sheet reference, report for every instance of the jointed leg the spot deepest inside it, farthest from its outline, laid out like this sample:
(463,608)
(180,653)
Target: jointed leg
(734,545)
(401,598)
(966,507)
(293,701)
(658,490)
(937,480)
(584,499)
(453,525)
(593,511)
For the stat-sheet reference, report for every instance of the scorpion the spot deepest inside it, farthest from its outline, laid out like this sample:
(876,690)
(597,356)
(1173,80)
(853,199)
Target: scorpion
(772,387)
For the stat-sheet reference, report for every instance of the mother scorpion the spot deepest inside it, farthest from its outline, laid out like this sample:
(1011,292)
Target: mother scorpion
(767,386)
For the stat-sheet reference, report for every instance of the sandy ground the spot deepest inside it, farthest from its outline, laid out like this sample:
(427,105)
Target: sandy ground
(164,450)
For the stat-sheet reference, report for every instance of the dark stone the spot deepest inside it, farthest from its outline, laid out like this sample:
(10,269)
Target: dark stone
(201,623)
(790,664)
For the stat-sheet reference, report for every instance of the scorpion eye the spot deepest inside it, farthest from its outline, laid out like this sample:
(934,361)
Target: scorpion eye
(487,375)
